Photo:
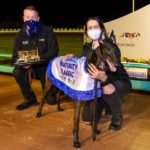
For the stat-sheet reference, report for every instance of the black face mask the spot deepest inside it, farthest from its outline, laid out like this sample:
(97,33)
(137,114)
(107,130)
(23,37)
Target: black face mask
(32,27)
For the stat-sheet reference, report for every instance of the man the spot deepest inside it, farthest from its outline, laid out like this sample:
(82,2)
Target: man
(33,36)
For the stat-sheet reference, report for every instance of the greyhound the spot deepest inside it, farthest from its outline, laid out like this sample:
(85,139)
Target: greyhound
(101,63)
(51,90)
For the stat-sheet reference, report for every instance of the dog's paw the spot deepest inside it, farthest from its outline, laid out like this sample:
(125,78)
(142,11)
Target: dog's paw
(38,115)
(76,145)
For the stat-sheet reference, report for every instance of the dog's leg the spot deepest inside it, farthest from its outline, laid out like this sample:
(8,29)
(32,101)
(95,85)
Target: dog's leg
(39,113)
(76,124)
(95,131)
(58,101)
(47,86)
(95,121)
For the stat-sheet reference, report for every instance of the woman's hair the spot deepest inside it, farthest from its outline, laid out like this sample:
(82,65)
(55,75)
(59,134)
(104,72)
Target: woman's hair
(98,19)
(101,24)
(105,52)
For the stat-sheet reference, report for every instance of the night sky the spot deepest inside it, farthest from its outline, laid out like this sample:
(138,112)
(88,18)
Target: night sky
(71,13)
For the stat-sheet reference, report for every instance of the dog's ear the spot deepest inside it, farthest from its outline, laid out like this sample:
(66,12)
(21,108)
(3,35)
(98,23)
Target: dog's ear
(112,37)
(110,51)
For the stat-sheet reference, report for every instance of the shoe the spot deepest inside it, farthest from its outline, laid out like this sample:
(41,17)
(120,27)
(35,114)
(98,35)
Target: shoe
(116,125)
(86,122)
(26,104)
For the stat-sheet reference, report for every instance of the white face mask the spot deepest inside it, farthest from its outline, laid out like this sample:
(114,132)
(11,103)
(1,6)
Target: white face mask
(94,34)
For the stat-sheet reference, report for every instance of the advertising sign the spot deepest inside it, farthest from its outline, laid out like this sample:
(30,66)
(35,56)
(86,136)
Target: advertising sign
(133,35)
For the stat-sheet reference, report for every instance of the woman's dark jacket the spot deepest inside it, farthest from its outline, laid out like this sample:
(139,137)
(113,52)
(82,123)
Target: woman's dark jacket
(120,73)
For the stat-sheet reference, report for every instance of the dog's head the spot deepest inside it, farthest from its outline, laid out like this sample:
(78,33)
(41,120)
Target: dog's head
(101,56)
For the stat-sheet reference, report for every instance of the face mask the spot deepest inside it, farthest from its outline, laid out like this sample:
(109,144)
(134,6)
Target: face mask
(32,27)
(94,34)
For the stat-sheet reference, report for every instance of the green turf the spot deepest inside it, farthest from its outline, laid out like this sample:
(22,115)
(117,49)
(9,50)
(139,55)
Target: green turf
(6,43)
(68,43)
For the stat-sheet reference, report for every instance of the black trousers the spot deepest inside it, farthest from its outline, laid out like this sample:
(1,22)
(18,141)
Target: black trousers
(114,100)
(21,76)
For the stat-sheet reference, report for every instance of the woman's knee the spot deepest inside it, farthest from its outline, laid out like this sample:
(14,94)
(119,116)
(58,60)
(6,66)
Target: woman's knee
(123,87)
(108,89)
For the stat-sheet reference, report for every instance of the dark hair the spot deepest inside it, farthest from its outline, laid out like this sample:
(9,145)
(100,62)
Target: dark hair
(104,52)
(101,24)
(30,7)
(98,19)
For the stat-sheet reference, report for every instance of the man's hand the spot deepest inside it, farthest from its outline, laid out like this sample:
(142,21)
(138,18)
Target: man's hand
(26,66)
(67,56)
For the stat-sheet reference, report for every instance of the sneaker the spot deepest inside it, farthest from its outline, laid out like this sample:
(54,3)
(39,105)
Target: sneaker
(26,104)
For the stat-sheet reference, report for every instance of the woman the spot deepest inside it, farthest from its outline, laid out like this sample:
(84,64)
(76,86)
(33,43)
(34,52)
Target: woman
(115,81)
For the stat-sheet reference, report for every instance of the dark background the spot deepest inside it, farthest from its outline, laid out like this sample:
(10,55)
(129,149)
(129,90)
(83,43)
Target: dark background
(71,13)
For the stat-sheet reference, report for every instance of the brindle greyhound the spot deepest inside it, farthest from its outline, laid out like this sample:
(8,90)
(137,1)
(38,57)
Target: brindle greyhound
(50,89)
(107,49)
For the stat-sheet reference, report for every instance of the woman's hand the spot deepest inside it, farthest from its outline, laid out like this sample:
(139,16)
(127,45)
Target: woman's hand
(67,56)
(95,44)
(96,74)
(101,75)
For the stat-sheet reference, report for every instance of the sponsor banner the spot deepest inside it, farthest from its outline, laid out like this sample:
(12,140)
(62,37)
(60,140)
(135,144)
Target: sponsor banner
(137,73)
(133,34)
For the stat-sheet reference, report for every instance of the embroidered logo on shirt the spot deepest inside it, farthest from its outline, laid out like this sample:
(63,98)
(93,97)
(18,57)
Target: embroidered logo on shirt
(25,42)
(42,40)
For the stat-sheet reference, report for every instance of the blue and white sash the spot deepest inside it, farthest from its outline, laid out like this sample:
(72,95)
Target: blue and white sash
(70,77)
